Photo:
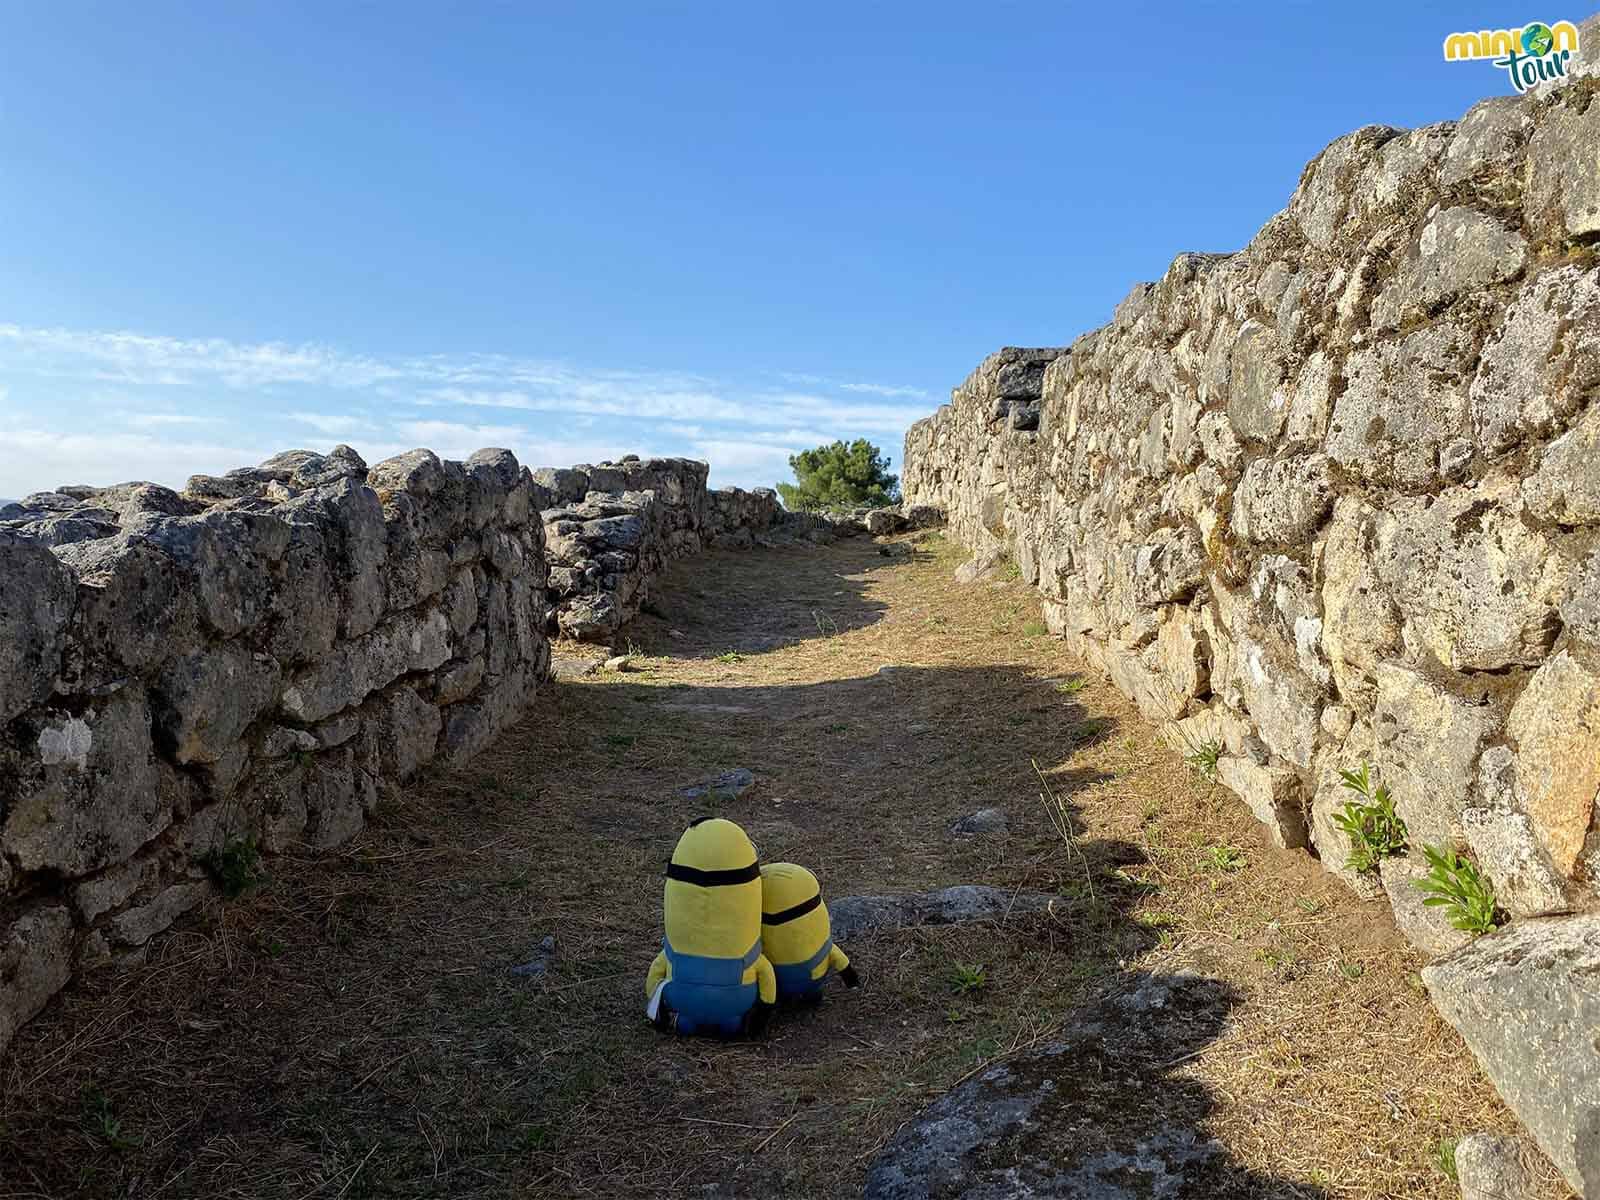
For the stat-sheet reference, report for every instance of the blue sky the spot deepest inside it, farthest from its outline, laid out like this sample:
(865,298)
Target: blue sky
(581,230)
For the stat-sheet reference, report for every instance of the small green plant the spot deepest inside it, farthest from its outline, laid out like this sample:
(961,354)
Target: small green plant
(826,625)
(1011,570)
(1444,1157)
(236,867)
(967,978)
(1071,687)
(1225,858)
(729,656)
(1352,970)
(533,1138)
(101,1121)
(1453,884)
(1286,964)
(1034,628)
(1204,757)
(954,1016)
(1375,830)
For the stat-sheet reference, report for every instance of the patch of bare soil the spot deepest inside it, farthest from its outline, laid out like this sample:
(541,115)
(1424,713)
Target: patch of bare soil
(352,1027)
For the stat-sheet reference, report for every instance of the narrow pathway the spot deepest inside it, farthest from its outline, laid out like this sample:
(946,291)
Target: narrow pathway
(353,1027)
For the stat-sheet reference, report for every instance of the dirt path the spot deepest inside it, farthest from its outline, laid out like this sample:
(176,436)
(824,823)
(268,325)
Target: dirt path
(351,1028)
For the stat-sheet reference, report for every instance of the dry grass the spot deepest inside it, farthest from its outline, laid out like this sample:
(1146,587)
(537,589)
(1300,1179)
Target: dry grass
(351,1029)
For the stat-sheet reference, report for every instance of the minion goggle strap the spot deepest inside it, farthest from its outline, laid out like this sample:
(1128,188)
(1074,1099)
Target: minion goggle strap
(793,912)
(699,878)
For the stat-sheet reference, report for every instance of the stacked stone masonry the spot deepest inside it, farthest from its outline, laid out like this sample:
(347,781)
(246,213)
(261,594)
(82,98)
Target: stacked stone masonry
(1335,499)
(261,657)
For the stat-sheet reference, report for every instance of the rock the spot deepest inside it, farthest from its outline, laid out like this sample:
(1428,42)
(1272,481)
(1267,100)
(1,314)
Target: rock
(729,785)
(537,966)
(574,666)
(985,820)
(1494,1167)
(1556,726)
(569,486)
(354,670)
(1460,250)
(471,724)
(1535,984)
(349,521)
(415,473)
(35,964)
(338,791)
(1181,659)
(1542,362)
(113,887)
(1427,743)
(1404,401)
(88,793)
(979,569)
(1218,442)
(1284,703)
(1283,500)
(137,925)
(1488,145)
(1168,570)
(1477,587)
(282,741)
(229,553)
(1321,203)
(1426,928)
(1564,185)
(1580,611)
(1566,487)
(204,702)
(1508,850)
(855,915)
(618,662)
(458,680)
(1273,794)
(1257,403)
(883,521)
(135,608)
(1361,621)
(36,601)
(1054,1122)
(407,728)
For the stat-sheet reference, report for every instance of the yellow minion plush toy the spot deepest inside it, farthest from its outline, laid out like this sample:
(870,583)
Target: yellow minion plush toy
(796,934)
(711,976)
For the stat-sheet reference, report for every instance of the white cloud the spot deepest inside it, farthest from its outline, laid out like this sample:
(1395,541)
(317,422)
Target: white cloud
(872,389)
(136,358)
(159,420)
(135,391)
(332,424)
(33,460)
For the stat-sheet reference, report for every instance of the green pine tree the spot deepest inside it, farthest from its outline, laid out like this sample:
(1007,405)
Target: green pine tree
(840,476)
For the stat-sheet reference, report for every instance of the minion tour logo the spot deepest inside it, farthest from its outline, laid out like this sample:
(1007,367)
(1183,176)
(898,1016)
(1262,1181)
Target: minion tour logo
(1532,55)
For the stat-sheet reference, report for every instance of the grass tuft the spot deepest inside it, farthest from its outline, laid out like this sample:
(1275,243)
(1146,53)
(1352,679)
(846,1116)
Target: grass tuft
(236,867)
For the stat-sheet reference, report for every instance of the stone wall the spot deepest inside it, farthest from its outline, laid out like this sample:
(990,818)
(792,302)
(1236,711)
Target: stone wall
(610,528)
(1335,499)
(259,658)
